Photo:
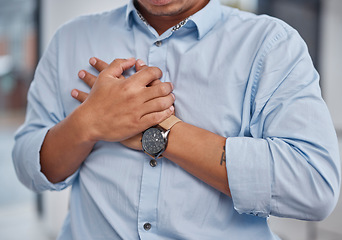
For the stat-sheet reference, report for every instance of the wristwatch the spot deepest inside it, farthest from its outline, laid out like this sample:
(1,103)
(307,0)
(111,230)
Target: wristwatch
(154,139)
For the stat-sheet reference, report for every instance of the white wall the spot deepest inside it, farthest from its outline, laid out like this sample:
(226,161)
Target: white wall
(57,12)
(331,58)
(54,14)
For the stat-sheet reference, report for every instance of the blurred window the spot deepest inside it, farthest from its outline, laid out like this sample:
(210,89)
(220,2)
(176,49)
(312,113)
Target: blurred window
(247,5)
(18,51)
(303,15)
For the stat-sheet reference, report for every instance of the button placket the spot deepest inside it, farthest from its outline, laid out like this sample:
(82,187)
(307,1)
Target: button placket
(148,202)
(151,175)
(158,43)
(153,163)
(147,226)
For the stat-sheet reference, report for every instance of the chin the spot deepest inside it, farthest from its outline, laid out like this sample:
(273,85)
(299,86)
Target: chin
(162,7)
(160,2)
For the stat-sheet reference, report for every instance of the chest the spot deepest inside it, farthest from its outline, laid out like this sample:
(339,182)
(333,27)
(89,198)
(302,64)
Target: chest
(210,79)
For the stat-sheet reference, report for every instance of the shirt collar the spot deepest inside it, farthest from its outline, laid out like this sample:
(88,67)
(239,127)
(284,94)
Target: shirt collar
(207,17)
(129,12)
(204,20)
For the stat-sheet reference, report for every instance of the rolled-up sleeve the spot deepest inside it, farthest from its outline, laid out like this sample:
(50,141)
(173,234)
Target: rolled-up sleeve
(289,166)
(44,110)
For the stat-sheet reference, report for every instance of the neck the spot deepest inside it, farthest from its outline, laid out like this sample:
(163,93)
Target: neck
(162,22)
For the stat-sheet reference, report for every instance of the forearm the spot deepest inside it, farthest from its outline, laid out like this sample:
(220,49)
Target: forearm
(65,147)
(199,152)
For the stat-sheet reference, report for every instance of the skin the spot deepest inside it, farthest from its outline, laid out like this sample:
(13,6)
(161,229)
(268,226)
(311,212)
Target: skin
(163,14)
(203,158)
(128,107)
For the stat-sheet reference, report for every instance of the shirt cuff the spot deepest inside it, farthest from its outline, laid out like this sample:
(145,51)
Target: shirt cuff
(248,164)
(38,181)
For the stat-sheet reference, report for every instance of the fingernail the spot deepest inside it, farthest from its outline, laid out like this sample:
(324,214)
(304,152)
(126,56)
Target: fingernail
(74,93)
(141,63)
(174,97)
(81,74)
(172,108)
(171,85)
(92,61)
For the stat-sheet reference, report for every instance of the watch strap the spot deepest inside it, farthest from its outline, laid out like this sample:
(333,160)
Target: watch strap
(168,123)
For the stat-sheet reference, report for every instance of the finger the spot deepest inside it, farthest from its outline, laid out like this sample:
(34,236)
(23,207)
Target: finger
(158,104)
(98,64)
(155,82)
(87,77)
(122,77)
(139,65)
(158,90)
(118,66)
(79,95)
(155,118)
(145,76)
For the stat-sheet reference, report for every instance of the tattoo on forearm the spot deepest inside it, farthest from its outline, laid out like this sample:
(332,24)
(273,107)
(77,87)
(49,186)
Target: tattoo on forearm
(223,157)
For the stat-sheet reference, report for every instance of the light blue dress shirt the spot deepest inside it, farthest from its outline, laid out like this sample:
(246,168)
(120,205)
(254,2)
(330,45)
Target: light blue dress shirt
(245,77)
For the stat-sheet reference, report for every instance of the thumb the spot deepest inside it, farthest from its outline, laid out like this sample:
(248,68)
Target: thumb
(139,65)
(118,66)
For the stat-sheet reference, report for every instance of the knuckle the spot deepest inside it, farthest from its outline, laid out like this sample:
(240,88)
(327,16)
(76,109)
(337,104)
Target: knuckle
(135,120)
(118,61)
(155,72)
(172,98)
(101,76)
(127,87)
(163,89)
(162,104)
(155,82)
(156,118)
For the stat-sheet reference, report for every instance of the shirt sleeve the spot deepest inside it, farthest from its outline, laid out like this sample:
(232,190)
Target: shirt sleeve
(44,110)
(290,165)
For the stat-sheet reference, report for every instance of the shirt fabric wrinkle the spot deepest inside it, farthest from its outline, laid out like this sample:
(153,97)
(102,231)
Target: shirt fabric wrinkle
(217,87)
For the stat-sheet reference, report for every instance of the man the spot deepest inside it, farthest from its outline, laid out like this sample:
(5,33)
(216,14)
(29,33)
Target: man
(251,135)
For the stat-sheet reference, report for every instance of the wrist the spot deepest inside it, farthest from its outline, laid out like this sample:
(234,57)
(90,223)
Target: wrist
(155,139)
(82,126)
(133,142)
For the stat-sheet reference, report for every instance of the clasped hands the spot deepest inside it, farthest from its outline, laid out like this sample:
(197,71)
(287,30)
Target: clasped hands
(119,109)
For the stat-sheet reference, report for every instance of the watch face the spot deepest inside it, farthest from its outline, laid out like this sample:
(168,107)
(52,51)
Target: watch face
(153,141)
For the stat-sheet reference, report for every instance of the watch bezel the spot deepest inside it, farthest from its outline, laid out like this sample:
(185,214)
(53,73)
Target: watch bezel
(164,134)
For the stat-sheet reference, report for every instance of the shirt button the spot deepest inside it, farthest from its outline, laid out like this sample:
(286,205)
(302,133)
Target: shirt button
(158,43)
(147,226)
(153,163)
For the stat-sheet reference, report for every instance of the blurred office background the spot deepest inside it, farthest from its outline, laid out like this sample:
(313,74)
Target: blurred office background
(26,27)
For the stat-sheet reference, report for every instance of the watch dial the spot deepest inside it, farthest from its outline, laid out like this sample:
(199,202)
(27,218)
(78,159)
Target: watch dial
(153,141)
